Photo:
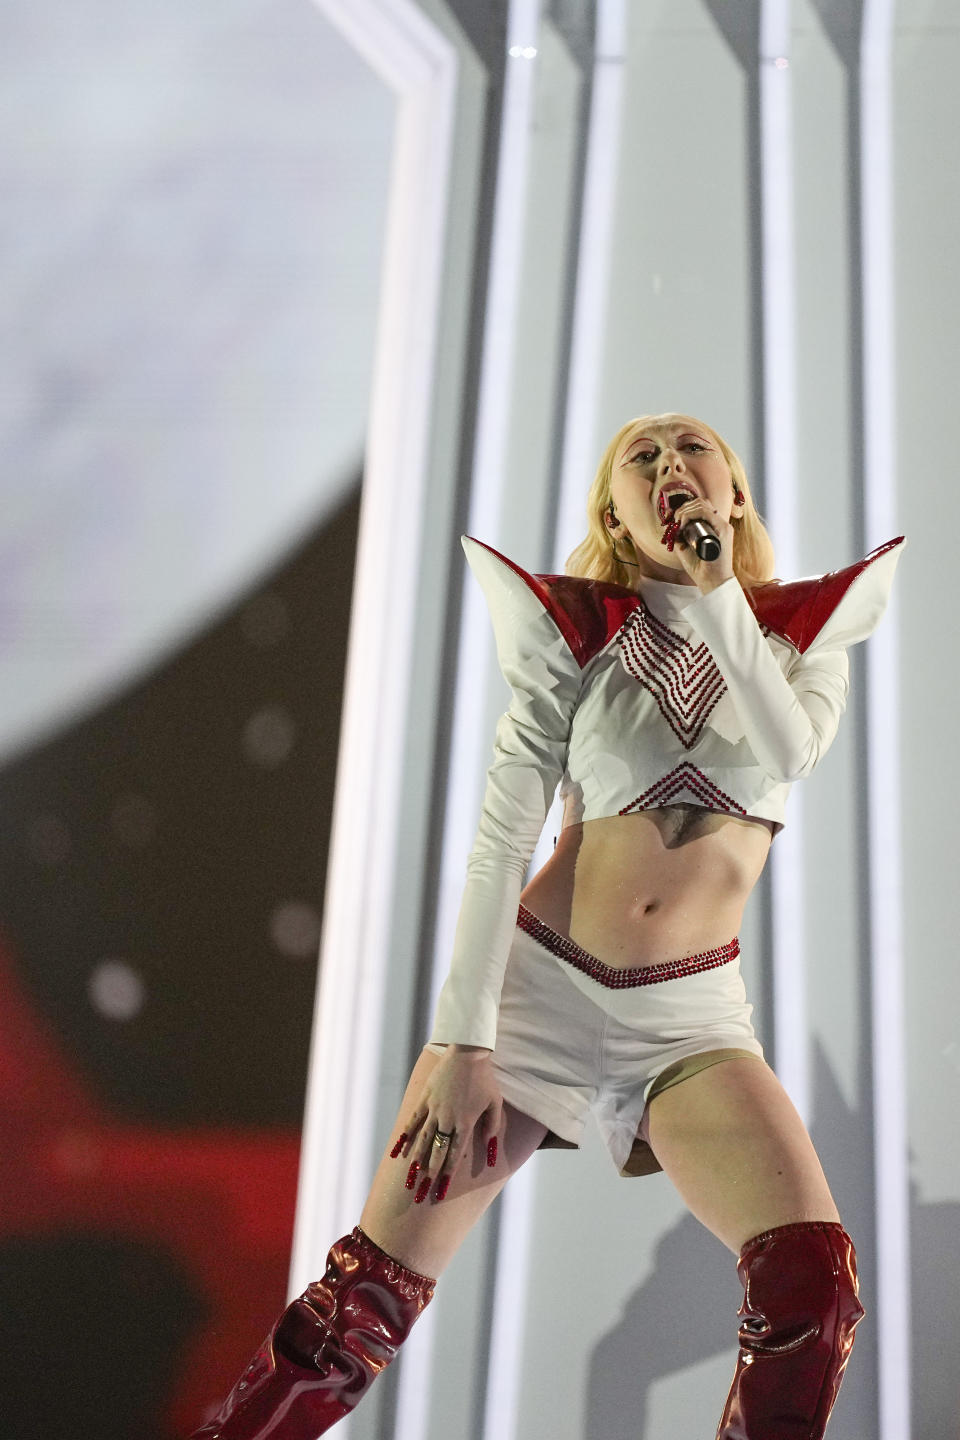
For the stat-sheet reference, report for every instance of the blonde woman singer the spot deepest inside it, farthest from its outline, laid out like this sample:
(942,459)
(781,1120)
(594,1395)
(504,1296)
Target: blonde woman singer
(674,698)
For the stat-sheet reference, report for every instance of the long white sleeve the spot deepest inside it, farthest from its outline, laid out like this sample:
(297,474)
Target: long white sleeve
(529,756)
(789,718)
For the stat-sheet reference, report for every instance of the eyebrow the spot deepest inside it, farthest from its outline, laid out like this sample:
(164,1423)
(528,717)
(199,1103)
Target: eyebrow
(681,434)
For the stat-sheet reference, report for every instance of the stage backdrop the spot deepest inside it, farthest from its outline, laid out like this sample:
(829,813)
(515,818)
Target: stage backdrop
(296,294)
(194,204)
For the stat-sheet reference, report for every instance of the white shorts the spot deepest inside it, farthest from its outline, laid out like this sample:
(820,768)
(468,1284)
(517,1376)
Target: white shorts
(575,1036)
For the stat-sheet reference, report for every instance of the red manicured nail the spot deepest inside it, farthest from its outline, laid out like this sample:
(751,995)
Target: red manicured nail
(411,1179)
(398,1147)
(442,1189)
(492,1151)
(423,1192)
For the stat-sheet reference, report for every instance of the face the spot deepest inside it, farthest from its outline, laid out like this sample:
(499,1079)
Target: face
(676,455)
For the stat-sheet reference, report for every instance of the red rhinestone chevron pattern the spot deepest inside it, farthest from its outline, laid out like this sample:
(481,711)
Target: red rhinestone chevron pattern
(682,678)
(687,780)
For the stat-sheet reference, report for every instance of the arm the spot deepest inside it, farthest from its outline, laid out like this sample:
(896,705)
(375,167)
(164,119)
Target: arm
(529,757)
(520,786)
(789,720)
(461,1093)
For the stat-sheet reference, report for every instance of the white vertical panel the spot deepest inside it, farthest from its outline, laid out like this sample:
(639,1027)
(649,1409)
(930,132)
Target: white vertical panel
(505,1376)
(886,909)
(470,740)
(791,1042)
(396,39)
(501,1418)
(593,274)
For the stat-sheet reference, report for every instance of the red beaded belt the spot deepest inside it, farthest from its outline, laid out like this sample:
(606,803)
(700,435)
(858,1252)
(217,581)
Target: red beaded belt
(613,978)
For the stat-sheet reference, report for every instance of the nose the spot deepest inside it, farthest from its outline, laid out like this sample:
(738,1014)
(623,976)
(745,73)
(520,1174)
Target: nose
(671,460)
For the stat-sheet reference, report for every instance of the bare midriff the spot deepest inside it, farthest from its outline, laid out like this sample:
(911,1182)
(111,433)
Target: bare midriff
(642,889)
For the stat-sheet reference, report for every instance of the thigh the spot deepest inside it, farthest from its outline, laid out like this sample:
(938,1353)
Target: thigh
(734,1146)
(425,1237)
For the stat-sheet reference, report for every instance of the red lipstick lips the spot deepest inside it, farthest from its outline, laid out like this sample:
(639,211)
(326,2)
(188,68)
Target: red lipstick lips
(664,509)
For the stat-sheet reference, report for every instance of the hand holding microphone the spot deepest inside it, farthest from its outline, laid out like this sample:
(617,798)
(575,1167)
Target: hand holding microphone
(700,536)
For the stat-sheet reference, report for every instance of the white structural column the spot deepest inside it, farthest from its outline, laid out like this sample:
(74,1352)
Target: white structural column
(590,299)
(791,1041)
(470,742)
(516,1219)
(403,47)
(593,274)
(886,870)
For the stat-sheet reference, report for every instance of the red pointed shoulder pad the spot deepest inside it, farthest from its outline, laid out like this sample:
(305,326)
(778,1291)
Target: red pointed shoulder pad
(588,613)
(797,610)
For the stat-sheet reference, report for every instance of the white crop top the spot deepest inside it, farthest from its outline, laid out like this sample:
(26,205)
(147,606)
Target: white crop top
(631,701)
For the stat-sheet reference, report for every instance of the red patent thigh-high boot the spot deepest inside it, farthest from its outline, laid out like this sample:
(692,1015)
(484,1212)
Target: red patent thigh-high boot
(800,1306)
(326,1349)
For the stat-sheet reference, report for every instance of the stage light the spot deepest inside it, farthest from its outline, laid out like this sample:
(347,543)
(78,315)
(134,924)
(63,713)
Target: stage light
(268,736)
(116,990)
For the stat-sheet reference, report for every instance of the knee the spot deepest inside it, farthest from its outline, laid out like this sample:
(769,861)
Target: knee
(800,1306)
(800,1289)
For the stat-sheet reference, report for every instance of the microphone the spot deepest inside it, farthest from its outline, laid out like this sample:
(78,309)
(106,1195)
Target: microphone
(696,533)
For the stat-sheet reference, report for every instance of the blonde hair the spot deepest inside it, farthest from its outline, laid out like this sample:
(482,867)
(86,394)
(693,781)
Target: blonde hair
(594,558)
